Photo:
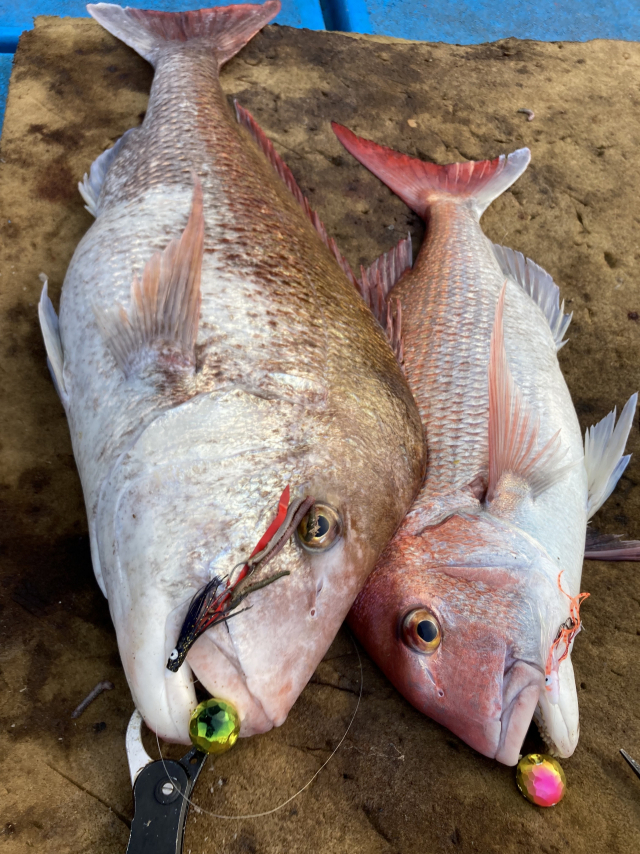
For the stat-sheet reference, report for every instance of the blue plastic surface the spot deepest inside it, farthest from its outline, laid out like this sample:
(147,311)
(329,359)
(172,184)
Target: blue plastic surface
(6,60)
(348,16)
(19,15)
(478,21)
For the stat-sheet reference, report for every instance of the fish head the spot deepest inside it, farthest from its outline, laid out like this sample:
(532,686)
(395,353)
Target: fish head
(172,521)
(464,643)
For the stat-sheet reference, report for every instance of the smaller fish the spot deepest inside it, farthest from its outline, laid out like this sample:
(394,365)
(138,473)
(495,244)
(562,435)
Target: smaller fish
(473,608)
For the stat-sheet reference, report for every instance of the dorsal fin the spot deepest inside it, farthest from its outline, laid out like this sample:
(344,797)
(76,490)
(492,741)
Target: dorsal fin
(514,428)
(393,329)
(604,457)
(264,143)
(539,285)
(375,283)
(161,324)
(378,278)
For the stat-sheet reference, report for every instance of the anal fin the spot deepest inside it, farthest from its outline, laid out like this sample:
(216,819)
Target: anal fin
(539,285)
(514,428)
(604,457)
(53,344)
(91,184)
(610,547)
(161,326)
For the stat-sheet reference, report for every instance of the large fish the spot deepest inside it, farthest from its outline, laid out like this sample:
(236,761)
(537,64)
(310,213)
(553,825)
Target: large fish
(211,352)
(473,609)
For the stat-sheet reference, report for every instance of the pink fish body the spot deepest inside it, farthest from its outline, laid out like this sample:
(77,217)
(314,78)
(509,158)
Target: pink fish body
(469,611)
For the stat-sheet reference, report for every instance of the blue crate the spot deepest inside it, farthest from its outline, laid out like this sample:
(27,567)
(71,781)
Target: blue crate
(17,17)
(478,21)
(6,61)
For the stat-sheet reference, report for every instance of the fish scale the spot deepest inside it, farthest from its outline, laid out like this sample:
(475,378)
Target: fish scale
(455,414)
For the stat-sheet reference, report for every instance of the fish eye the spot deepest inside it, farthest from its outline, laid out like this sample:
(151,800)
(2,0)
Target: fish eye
(421,631)
(320,528)
(174,655)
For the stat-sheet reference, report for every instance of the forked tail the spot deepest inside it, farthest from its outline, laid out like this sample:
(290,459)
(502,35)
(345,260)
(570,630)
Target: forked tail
(419,183)
(228,28)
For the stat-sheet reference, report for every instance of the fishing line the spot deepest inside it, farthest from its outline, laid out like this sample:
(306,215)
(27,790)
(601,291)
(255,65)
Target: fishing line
(201,810)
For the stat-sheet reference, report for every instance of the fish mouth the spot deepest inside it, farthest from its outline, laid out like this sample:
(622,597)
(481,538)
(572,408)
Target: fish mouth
(520,694)
(215,664)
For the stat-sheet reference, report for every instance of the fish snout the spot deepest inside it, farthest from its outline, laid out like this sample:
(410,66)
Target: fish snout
(521,689)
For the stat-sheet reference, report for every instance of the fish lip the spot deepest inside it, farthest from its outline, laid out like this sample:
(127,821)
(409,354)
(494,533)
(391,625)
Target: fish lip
(522,685)
(559,724)
(254,719)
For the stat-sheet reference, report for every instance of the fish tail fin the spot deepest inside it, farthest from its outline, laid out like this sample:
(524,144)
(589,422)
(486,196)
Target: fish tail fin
(604,456)
(419,183)
(228,28)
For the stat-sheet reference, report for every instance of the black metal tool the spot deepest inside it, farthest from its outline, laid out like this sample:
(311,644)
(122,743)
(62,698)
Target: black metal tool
(632,762)
(161,792)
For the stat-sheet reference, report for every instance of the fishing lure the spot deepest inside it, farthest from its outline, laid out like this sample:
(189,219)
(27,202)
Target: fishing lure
(218,600)
(566,633)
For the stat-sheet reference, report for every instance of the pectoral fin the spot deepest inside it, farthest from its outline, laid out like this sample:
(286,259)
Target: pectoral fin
(161,325)
(514,427)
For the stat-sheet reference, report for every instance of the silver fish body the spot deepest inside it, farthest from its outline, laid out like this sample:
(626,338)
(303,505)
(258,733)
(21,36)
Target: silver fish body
(190,410)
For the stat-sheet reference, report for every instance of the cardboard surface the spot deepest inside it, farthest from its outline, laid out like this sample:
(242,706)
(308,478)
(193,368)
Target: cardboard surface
(399,782)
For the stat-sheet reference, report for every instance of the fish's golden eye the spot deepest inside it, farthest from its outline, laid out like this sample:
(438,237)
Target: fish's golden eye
(421,630)
(320,528)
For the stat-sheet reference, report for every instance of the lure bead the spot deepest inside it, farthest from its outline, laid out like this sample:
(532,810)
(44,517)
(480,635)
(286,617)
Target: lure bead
(541,779)
(214,726)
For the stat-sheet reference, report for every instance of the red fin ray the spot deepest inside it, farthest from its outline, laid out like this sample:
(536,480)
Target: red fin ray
(610,547)
(378,278)
(266,146)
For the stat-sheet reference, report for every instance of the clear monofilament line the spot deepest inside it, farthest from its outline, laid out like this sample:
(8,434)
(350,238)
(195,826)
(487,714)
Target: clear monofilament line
(200,810)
